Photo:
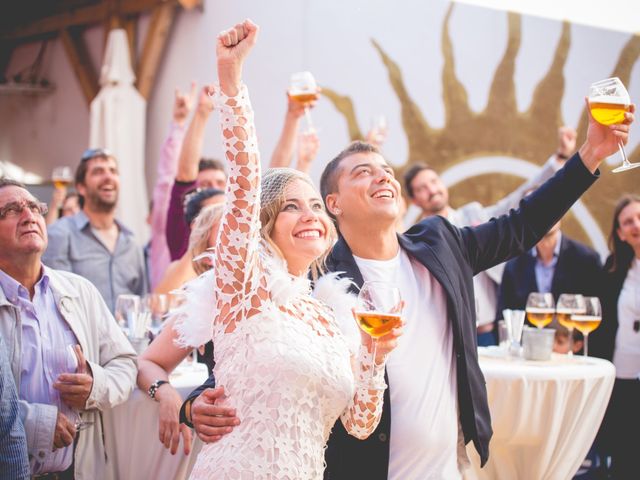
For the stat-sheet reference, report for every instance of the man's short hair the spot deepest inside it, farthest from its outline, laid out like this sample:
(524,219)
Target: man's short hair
(10,182)
(210,164)
(329,177)
(91,153)
(410,174)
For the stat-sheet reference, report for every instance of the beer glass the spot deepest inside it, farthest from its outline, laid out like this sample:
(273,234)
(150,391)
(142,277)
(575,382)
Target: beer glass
(304,90)
(127,310)
(587,321)
(569,304)
(379,311)
(608,102)
(540,309)
(61,177)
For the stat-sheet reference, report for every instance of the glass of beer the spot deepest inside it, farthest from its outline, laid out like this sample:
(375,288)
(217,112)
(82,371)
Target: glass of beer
(304,90)
(540,309)
(379,311)
(608,102)
(569,304)
(61,177)
(587,321)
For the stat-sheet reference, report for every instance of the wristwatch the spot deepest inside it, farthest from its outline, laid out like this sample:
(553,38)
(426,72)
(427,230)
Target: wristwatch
(153,388)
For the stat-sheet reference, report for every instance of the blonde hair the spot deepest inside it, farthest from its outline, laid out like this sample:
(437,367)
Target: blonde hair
(274,183)
(199,236)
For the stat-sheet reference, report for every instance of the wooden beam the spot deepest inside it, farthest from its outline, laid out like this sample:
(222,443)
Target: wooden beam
(155,41)
(130,24)
(80,62)
(80,17)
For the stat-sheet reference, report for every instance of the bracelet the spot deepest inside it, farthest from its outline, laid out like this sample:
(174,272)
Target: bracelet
(153,388)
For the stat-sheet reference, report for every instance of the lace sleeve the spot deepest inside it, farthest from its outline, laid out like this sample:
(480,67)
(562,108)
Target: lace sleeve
(237,286)
(363,414)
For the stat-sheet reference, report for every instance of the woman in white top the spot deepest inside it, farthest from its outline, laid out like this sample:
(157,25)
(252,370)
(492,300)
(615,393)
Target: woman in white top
(618,339)
(280,355)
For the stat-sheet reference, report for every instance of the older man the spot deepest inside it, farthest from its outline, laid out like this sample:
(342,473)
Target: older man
(68,356)
(93,243)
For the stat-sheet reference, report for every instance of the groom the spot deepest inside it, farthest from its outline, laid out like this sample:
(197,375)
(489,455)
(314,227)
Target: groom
(436,395)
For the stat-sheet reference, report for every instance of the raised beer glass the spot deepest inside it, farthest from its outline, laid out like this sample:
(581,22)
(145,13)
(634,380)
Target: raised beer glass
(589,320)
(569,304)
(304,90)
(379,311)
(608,102)
(62,177)
(540,309)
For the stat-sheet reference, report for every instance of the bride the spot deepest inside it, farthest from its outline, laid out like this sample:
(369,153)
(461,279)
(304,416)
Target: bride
(284,363)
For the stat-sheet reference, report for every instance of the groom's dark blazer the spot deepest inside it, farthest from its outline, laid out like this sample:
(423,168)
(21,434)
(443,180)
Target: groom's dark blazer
(453,256)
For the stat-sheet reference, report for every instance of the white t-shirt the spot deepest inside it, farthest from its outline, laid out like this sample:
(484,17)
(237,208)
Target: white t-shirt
(422,375)
(626,356)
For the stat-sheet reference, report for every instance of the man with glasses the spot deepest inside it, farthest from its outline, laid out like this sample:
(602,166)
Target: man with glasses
(93,243)
(67,355)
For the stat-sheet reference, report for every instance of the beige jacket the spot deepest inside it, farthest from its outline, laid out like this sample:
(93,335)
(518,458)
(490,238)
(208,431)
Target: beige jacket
(110,356)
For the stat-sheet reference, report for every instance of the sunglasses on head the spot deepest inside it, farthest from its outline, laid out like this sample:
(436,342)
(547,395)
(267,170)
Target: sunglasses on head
(95,152)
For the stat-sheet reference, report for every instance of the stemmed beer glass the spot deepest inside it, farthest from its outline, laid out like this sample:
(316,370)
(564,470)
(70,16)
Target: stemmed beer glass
(540,309)
(569,304)
(587,321)
(304,89)
(608,102)
(379,311)
(65,360)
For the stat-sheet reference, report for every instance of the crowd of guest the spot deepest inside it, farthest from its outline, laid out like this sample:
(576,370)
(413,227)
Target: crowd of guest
(64,359)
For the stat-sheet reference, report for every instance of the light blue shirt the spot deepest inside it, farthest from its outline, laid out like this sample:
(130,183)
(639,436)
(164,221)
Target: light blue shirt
(544,273)
(75,248)
(45,355)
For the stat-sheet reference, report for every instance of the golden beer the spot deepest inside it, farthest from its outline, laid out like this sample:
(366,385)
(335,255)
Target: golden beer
(564,318)
(61,183)
(303,97)
(377,324)
(540,317)
(607,112)
(586,323)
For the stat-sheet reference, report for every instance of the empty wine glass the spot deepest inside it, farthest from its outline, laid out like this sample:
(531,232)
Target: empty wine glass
(127,309)
(156,306)
(379,311)
(304,89)
(608,102)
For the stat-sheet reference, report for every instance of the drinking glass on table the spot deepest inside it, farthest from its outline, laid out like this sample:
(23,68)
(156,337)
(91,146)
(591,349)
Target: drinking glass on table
(587,321)
(569,304)
(127,309)
(62,177)
(304,89)
(379,311)
(608,102)
(540,309)
(156,306)
(65,360)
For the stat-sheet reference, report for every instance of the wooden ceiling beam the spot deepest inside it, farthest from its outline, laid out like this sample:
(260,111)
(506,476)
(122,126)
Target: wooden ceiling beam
(130,24)
(80,61)
(154,44)
(81,17)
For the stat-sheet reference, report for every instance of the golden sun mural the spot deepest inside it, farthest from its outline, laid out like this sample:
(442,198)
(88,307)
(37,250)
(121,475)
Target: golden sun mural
(530,135)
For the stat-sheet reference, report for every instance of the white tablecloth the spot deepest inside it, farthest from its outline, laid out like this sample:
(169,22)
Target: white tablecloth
(545,415)
(131,436)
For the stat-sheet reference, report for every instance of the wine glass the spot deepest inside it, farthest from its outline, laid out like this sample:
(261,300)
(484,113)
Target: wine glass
(65,360)
(379,311)
(540,309)
(61,177)
(608,102)
(569,304)
(588,320)
(304,89)
(378,132)
(156,306)
(127,310)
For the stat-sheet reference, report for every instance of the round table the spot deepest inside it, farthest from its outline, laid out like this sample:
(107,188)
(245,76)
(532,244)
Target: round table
(131,435)
(544,414)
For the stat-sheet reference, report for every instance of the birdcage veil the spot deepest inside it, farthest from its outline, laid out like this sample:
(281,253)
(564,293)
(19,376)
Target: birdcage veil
(272,195)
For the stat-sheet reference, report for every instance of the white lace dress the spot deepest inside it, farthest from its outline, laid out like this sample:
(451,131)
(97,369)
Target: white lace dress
(280,355)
